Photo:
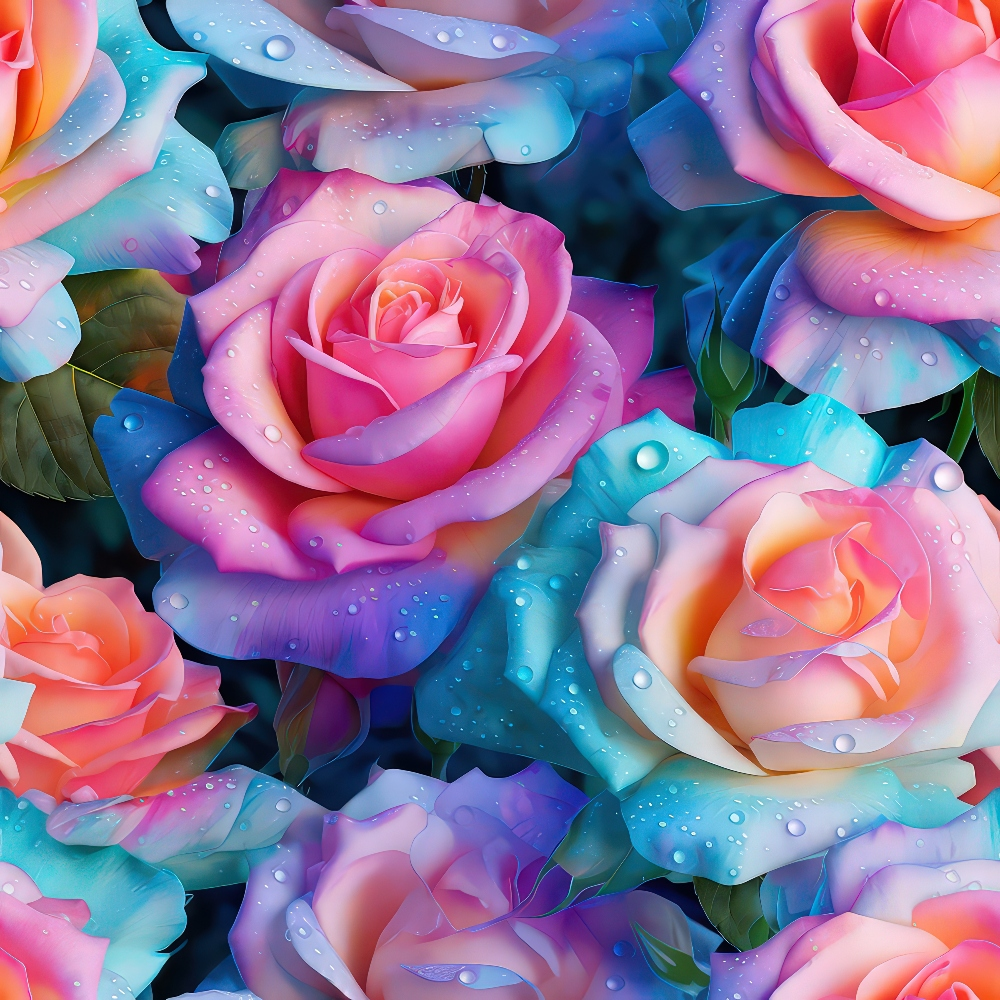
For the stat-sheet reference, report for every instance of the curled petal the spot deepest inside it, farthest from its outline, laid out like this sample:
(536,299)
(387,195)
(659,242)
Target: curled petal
(44,341)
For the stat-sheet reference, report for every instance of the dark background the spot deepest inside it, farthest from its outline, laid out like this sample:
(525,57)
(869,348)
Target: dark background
(616,228)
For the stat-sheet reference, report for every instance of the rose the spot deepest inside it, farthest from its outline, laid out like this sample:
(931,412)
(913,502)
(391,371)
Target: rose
(893,102)
(384,363)
(413,885)
(511,86)
(763,645)
(97,700)
(894,919)
(78,923)
(99,200)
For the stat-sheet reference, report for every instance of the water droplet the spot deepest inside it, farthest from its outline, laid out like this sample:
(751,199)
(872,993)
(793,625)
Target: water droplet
(212,191)
(795,827)
(615,983)
(845,743)
(272,433)
(466,664)
(974,885)
(283,805)
(499,42)
(952,876)
(467,976)
(197,36)
(525,150)
(525,674)
(400,635)
(523,600)
(8,888)
(455,710)
(706,96)
(947,477)
(379,208)
(718,46)
(767,628)
(178,601)
(132,422)
(841,832)
(621,553)
(781,293)
(920,842)
(929,358)
(315,542)
(558,582)
(732,871)
(443,37)
(865,342)
(957,537)
(523,562)
(651,457)
(679,857)
(737,816)
(642,679)
(304,932)
(672,789)
(279,48)
(352,609)
(877,355)
(780,432)
(279,875)
(624,949)
(882,297)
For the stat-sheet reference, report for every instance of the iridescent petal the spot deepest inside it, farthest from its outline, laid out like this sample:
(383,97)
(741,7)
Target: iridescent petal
(514,120)
(45,339)
(154,219)
(257,37)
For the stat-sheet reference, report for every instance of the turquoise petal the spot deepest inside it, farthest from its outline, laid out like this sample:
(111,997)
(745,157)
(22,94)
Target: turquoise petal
(44,341)
(138,907)
(699,819)
(150,221)
(14,699)
(818,430)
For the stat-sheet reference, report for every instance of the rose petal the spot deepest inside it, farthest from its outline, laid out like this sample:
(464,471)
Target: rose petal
(671,391)
(956,41)
(497,119)
(304,59)
(408,45)
(867,363)
(682,787)
(45,340)
(425,446)
(244,395)
(131,454)
(590,369)
(17,555)
(231,482)
(737,119)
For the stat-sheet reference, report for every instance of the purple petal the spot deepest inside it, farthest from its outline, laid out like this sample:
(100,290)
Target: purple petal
(563,432)
(351,624)
(393,436)
(671,391)
(868,363)
(623,314)
(862,735)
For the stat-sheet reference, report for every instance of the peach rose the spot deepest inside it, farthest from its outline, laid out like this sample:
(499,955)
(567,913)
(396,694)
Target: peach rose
(97,700)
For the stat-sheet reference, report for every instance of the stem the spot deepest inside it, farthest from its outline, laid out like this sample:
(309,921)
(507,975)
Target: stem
(722,428)
(966,421)
(439,765)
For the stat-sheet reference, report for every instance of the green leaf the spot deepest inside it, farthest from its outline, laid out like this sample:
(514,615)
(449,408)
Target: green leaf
(986,407)
(441,751)
(727,373)
(669,964)
(597,851)
(129,323)
(735,911)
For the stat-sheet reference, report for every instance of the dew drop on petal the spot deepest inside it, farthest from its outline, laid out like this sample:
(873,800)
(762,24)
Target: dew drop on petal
(642,679)
(706,96)
(651,457)
(737,816)
(400,635)
(272,433)
(679,857)
(947,477)
(781,293)
(499,42)
(882,297)
(283,805)
(929,358)
(467,976)
(132,422)
(443,37)
(615,983)
(845,743)
(178,601)
(213,192)
(379,208)
(624,949)
(957,537)
(279,875)
(524,674)
(795,827)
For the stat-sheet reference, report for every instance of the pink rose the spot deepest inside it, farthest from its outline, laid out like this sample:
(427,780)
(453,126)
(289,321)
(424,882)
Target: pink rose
(893,101)
(385,362)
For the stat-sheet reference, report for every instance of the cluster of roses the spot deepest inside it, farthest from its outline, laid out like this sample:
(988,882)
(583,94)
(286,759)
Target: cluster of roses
(400,426)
